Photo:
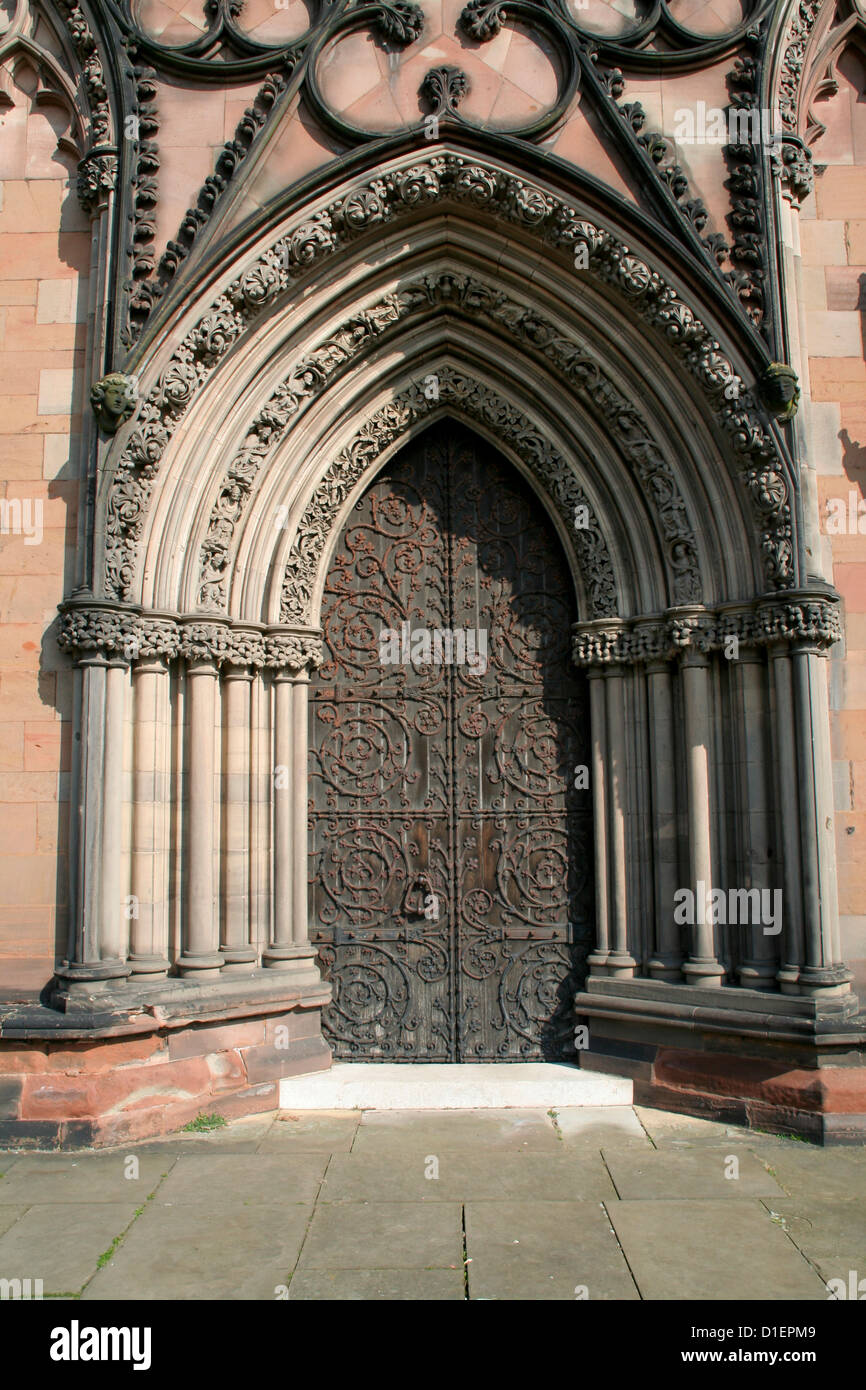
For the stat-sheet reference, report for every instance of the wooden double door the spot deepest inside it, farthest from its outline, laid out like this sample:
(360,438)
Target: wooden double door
(450,827)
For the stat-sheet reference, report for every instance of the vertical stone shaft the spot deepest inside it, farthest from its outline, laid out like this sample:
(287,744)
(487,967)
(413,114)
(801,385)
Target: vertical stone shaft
(150,818)
(666,962)
(279,953)
(702,968)
(201,938)
(759,963)
(788,821)
(236,948)
(598,956)
(822,971)
(620,962)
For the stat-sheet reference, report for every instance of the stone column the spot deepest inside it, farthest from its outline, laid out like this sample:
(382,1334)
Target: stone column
(702,968)
(787,820)
(97,934)
(151,791)
(620,961)
(236,949)
(201,955)
(280,953)
(667,956)
(760,959)
(822,973)
(597,958)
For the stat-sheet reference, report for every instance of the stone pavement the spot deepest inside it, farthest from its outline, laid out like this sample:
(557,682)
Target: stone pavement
(614,1203)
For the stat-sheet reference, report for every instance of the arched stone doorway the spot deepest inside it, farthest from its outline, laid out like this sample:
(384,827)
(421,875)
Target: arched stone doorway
(450,821)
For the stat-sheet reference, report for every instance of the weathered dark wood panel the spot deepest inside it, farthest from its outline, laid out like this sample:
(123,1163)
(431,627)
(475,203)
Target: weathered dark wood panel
(451,853)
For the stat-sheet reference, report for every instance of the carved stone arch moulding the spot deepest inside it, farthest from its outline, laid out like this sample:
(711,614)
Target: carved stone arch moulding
(473,401)
(479,302)
(440,180)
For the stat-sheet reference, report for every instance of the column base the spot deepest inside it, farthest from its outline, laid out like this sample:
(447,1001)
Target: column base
(666,967)
(176,1049)
(204,965)
(238,960)
(703,974)
(620,965)
(821,982)
(757,974)
(300,960)
(89,975)
(149,965)
(764,1060)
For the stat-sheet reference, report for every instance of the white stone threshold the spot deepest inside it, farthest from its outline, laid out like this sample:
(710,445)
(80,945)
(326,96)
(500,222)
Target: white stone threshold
(459,1086)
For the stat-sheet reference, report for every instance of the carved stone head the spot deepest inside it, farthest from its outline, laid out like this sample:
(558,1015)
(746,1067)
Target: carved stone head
(113,399)
(780,391)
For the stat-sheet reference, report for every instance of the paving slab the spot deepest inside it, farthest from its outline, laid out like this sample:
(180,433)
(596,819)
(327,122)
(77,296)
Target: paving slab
(86,1177)
(666,1127)
(515,1130)
(463,1176)
(393,1285)
(243,1135)
(317,1131)
(831,1232)
(191,1251)
(442,1086)
(241,1179)
(544,1250)
(711,1250)
(806,1170)
(392,1235)
(60,1243)
(8,1217)
(698,1174)
(611,1125)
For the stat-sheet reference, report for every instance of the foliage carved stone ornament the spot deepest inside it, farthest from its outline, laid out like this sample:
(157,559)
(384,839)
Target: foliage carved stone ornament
(114,398)
(97,177)
(780,391)
(444,88)
(812,618)
(445,179)
(472,297)
(465,397)
(792,165)
(89,631)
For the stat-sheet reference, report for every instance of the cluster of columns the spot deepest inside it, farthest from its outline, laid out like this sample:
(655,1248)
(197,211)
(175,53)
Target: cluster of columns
(189,829)
(712,773)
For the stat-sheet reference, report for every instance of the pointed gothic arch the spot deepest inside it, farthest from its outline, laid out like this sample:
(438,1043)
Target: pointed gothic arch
(265,408)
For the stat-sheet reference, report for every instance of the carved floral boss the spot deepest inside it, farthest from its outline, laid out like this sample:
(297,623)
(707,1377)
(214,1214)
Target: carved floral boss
(400,23)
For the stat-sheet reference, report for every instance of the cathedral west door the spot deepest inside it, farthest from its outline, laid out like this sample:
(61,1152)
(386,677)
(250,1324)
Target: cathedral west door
(450,831)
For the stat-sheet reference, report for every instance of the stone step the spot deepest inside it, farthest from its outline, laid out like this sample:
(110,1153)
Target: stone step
(462,1086)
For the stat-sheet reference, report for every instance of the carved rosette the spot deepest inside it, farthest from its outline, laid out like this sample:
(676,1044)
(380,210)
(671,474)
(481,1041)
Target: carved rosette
(440,177)
(814,619)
